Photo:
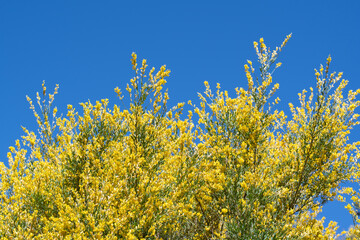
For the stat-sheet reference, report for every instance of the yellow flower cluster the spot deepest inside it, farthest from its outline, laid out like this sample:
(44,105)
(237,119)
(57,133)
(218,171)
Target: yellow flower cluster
(244,171)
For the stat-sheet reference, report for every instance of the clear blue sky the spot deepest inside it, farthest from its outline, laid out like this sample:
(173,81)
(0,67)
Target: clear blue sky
(85,47)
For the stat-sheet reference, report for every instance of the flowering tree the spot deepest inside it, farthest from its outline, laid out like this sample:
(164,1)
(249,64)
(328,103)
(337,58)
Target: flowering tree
(244,170)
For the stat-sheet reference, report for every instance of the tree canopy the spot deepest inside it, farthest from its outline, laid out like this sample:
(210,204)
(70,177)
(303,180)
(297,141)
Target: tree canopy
(230,168)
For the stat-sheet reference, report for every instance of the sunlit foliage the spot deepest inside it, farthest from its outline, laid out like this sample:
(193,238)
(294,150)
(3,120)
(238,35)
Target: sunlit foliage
(231,168)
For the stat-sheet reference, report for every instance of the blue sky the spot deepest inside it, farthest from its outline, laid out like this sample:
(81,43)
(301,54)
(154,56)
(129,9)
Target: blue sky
(85,47)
